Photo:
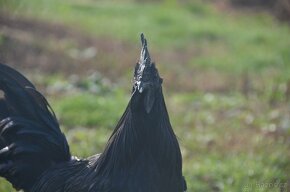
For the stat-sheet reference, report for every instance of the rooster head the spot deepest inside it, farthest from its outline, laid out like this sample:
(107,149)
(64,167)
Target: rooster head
(147,81)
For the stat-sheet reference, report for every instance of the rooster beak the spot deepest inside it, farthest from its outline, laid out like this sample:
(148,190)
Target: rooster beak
(144,56)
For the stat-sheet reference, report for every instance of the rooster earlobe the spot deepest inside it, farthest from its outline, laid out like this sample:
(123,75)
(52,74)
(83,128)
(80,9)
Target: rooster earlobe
(149,100)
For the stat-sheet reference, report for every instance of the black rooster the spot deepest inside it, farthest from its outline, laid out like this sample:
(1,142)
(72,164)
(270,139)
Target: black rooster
(142,154)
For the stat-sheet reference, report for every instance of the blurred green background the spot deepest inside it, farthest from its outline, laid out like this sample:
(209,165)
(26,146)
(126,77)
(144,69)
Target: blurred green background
(226,70)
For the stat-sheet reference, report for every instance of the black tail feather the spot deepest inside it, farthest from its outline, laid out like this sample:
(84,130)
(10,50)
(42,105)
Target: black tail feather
(30,137)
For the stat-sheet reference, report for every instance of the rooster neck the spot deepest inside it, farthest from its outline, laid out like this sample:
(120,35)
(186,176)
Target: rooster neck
(139,133)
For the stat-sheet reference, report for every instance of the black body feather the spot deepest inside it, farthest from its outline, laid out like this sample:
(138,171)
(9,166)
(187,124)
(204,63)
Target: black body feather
(142,154)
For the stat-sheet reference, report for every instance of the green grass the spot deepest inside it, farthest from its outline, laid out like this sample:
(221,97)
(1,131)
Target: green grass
(231,139)
(224,41)
(227,142)
(91,112)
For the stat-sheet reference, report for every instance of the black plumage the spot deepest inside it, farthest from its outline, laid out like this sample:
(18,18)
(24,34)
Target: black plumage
(142,154)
